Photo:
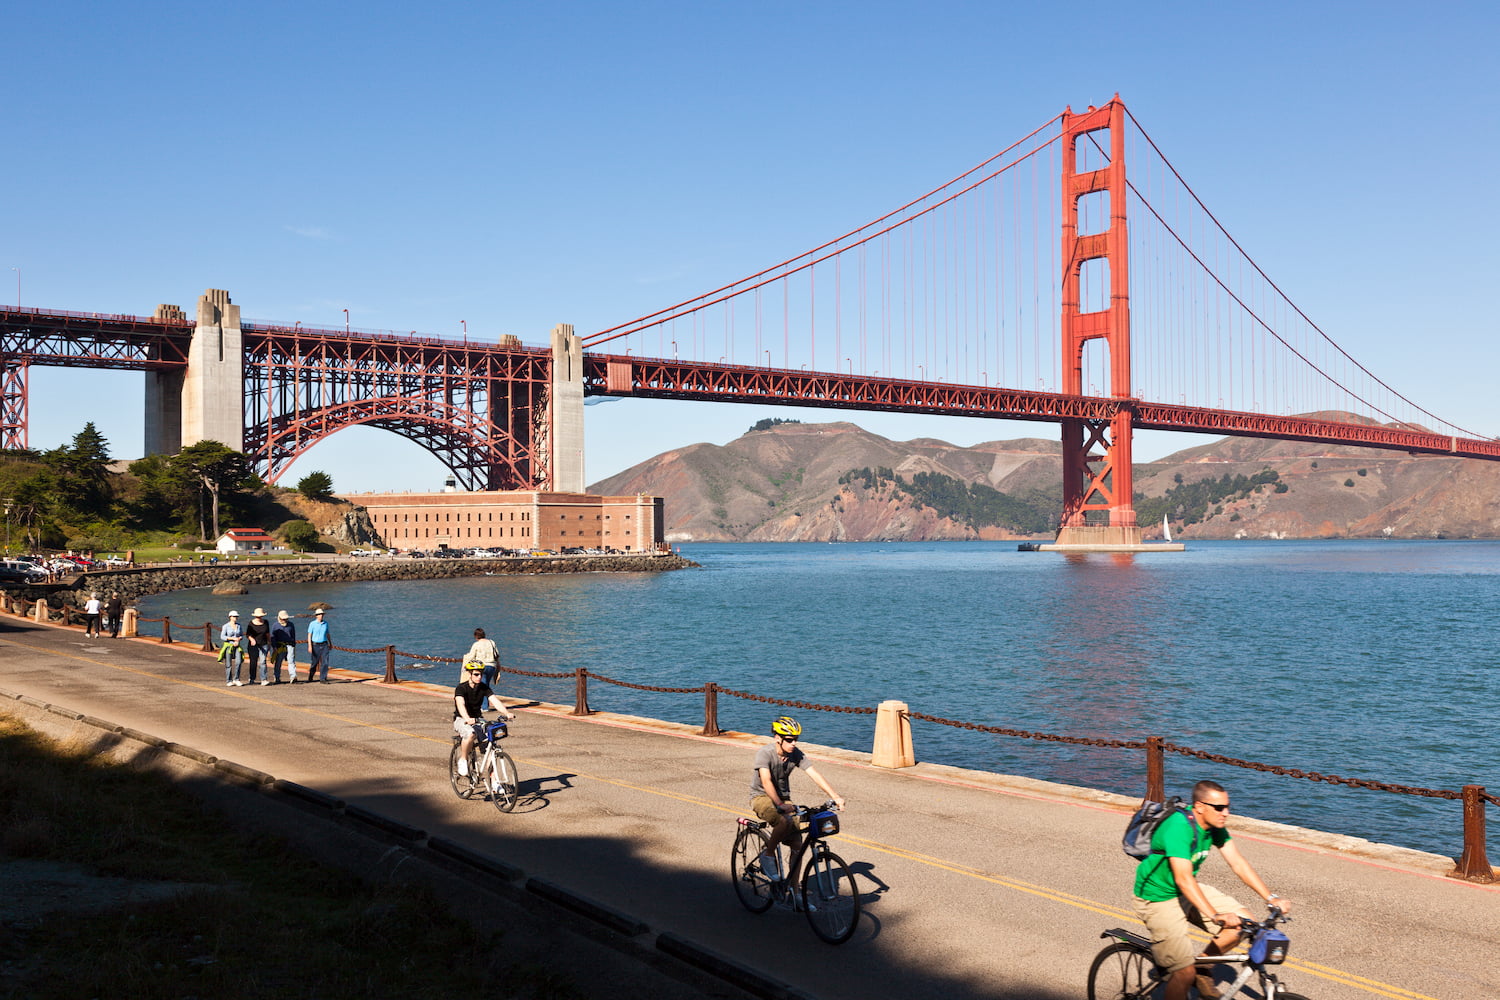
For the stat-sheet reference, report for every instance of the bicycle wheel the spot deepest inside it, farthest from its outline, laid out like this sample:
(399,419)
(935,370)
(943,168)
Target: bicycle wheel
(829,896)
(462,786)
(503,781)
(1122,972)
(750,883)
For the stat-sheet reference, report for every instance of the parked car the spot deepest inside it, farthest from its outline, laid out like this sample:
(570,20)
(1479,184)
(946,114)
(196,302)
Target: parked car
(17,571)
(115,562)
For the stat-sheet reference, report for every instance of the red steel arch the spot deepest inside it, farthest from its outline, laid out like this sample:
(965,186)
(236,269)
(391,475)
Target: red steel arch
(481,409)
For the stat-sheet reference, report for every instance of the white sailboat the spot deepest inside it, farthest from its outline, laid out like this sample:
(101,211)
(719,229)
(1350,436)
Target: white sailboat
(1166,529)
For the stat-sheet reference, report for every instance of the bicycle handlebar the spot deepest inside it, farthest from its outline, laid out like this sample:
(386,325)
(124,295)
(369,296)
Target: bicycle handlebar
(1274,917)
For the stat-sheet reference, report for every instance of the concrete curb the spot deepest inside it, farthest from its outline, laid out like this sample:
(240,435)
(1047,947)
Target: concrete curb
(727,969)
(622,923)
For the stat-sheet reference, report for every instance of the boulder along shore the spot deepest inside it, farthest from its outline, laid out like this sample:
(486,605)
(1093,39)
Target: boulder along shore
(144,581)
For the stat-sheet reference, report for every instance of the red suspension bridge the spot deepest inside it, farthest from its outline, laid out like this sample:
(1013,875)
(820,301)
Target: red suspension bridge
(1074,277)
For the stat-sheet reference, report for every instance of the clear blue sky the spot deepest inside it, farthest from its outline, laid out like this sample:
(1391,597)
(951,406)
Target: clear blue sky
(518,165)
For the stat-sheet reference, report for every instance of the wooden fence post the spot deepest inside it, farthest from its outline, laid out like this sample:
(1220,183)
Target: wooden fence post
(166,630)
(208,637)
(581,699)
(710,710)
(1473,863)
(1156,770)
(390,666)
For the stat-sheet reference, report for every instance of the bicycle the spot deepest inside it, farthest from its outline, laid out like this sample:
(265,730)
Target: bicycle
(1125,969)
(825,893)
(491,769)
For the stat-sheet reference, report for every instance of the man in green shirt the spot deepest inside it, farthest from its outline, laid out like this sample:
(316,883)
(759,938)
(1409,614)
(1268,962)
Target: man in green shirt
(1168,895)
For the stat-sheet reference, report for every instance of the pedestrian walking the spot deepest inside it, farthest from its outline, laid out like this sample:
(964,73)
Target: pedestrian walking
(114,610)
(230,651)
(258,637)
(486,652)
(92,609)
(318,647)
(283,646)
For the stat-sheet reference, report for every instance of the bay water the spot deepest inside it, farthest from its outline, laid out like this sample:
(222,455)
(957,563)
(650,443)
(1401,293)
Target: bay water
(1365,659)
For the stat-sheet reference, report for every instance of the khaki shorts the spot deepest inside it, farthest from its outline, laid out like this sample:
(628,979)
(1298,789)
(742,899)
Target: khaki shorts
(764,808)
(1168,923)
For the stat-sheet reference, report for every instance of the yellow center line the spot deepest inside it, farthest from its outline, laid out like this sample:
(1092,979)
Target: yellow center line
(1016,885)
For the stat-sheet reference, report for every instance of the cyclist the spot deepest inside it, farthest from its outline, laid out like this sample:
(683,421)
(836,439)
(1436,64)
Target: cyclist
(469,700)
(1168,894)
(770,794)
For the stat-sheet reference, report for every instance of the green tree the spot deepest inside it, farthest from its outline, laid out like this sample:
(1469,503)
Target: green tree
(80,476)
(300,535)
(220,472)
(316,486)
(164,496)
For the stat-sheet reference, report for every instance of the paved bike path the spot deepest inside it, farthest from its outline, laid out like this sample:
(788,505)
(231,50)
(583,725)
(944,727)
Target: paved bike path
(974,885)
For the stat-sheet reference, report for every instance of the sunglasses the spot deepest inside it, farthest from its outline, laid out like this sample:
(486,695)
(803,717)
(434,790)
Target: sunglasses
(787,739)
(1217,807)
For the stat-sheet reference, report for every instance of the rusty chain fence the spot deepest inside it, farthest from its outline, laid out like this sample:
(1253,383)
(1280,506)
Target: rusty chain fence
(1471,864)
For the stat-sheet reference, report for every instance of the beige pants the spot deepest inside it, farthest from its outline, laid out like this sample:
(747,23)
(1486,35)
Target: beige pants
(1169,920)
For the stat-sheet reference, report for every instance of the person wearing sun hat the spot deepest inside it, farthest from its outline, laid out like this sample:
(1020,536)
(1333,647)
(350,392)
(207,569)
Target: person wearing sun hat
(258,636)
(318,647)
(283,647)
(230,650)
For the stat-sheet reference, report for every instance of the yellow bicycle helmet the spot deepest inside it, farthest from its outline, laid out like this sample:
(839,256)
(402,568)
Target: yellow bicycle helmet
(786,726)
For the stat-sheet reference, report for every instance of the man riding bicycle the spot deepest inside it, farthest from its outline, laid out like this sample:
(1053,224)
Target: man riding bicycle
(469,699)
(1168,895)
(770,792)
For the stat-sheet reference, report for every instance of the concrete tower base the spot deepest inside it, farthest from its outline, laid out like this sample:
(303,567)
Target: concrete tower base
(1106,538)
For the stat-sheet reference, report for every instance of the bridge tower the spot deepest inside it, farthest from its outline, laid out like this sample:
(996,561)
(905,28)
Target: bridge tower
(204,402)
(566,410)
(1097,485)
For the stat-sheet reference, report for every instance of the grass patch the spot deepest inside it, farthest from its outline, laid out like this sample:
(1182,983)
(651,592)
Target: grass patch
(261,920)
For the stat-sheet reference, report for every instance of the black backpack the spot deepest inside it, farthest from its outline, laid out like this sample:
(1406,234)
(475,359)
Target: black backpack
(1137,839)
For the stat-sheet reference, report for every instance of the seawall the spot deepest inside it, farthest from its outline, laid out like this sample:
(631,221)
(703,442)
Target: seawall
(145,581)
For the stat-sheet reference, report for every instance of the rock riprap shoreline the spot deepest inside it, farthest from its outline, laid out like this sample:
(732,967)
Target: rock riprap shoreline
(134,584)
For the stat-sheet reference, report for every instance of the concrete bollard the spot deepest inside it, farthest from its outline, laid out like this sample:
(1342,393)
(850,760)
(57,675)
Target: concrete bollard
(893,736)
(131,620)
(39,612)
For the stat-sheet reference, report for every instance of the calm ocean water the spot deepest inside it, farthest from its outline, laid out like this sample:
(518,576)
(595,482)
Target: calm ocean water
(1372,660)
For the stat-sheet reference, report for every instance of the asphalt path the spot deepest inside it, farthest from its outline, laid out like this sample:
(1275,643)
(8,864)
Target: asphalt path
(973,885)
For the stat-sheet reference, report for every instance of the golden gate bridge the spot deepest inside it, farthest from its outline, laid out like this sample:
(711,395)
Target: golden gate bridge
(1074,277)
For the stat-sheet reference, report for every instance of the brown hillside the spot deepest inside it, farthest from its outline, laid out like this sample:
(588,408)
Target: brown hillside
(782,484)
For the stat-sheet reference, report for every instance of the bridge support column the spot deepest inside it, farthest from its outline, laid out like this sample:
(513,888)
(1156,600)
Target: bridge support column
(566,411)
(213,391)
(207,402)
(1098,490)
(164,401)
(13,433)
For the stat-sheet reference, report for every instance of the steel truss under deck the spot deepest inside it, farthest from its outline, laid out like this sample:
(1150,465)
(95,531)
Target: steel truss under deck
(483,410)
(627,375)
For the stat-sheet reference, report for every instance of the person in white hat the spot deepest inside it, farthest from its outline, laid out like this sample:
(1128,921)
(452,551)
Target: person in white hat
(283,647)
(258,635)
(318,645)
(230,650)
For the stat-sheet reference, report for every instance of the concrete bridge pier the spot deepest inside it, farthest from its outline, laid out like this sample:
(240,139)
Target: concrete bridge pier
(566,411)
(206,402)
